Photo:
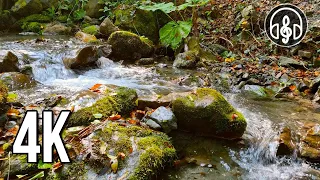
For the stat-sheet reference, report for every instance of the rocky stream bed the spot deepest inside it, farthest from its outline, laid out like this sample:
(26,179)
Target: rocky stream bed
(271,138)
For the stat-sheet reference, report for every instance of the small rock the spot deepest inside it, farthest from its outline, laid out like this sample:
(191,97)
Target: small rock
(153,125)
(305,54)
(290,62)
(187,60)
(88,38)
(107,27)
(8,62)
(145,61)
(314,85)
(165,118)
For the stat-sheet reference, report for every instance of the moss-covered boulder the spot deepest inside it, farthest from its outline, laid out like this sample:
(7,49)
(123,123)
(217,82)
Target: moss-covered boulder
(18,166)
(207,113)
(15,80)
(8,62)
(121,100)
(119,151)
(137,21)
(24,8)
(129,46)
(36,18)
(35,27)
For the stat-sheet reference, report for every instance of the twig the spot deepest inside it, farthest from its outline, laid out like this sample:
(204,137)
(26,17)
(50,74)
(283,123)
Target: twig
(227,41)
(254,37)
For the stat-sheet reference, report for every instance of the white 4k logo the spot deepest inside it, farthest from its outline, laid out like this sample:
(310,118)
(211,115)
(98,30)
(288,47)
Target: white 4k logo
(51,136)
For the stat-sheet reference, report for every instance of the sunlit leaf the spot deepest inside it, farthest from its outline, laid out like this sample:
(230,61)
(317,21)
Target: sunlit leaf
(38,176)
(165,7)
(173,33)
(97,116)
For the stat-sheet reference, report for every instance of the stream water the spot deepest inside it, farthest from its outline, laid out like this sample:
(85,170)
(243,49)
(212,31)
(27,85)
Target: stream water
(253,159)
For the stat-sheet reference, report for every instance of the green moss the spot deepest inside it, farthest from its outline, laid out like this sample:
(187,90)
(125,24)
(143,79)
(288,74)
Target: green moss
(62,19)
(208,113)
(3,92)
(33,27)
(19,4)
(74,170)
(122,102)
(37,18)
(93,30)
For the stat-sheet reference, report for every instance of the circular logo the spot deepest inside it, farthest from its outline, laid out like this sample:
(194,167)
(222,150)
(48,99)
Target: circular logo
(286,25)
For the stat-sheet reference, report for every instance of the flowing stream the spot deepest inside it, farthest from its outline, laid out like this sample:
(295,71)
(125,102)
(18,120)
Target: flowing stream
(255,158)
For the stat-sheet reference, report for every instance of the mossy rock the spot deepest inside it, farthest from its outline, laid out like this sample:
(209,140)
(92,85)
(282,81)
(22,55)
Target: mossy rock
(18,166)
(207,113)
(62,19)
(7,21)
(129,46)
(93,30)
(33,27)
(122,101)
(9,62)
(36,18)
(16,81)
(146,152)
(23,8)
(137,21)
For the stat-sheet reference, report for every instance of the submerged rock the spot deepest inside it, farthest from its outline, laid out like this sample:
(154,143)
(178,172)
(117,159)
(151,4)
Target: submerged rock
(8,62)
(187,59)
(129,46)
(107,27)
(121,100)
(87,57)
(15,80)
(207,113)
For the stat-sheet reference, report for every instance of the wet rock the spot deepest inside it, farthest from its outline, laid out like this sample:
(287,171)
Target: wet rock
(57,28)
(15,80)
(186,60)
(314,85)
(87,57)
(138,21)
(310,146)
(286,145)
(8,62)
(145,61)
(165,118)
(107,27)
(121,100)
(18,165)
(129,47)
(305,54)
(290,62)
(93,7)
(207,113)
(256,90)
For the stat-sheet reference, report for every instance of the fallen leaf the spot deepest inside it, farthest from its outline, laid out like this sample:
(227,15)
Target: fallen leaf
(95,87)
(234,116)
(56,166)
(115,117)
(292,87)
(13,131)
(121,155)
(131,121)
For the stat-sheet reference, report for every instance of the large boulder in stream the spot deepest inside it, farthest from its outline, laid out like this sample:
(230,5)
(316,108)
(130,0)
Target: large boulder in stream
(8,62)
(129,46)
(15,80)
(87,57)
(120,100)
(206,112)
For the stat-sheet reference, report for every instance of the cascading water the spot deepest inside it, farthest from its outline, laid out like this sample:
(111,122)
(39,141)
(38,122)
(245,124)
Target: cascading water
(258,160)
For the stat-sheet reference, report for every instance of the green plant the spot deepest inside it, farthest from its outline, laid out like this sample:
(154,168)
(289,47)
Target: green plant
(109,5)
(51,12)
(173,33)
(75,8)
